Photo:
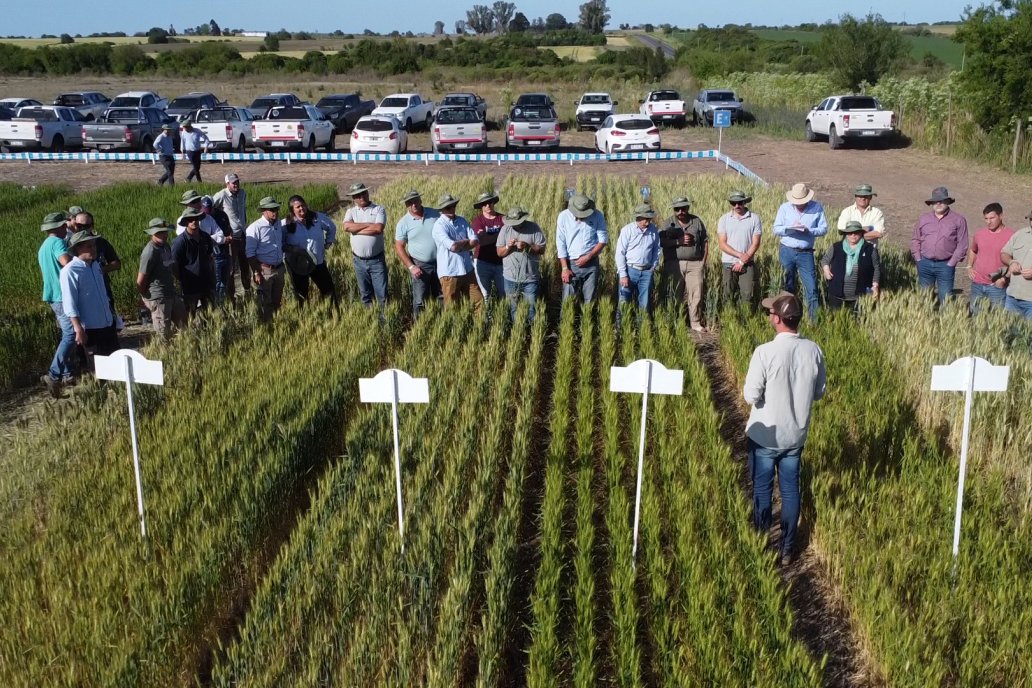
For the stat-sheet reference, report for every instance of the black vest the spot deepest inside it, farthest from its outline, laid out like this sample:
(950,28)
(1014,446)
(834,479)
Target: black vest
(864,268)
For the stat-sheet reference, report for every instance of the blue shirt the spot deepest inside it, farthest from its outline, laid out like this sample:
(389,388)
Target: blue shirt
(164,144)
(812,217)
(418,235)
(264,241)
(575,237)
(83,294)
(193,140)
(447,232)
(53,247)
(315,239)
(637,247)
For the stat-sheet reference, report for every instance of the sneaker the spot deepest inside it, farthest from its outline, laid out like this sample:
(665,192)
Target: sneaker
(786,558)
(53,386)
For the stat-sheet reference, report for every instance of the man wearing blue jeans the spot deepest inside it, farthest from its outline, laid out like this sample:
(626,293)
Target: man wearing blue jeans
(364,221)
(414,245)
(939,243)
(581,235)
(520,245)
(786,375)
(637,258)
(799,221)
(52,256)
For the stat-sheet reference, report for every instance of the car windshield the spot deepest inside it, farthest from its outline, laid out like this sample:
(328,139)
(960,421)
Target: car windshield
(456,100)
(457,116)
(717,96)
(295,112)
(533,99)
(532,114)
(70,100)
(123,115)
(126,101)
(858,103)
(374,125)
(264,102)
(185,103)
(665,95)
(595,100)
(634,124)
(37,114)
(394,102)
(332,102)
(215,115)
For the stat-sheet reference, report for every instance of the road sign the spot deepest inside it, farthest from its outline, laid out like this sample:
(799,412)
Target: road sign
(722,119)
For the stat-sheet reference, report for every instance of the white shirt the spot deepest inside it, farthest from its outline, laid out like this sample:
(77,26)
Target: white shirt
(872,220)
(264,241)
(361,245)
(786,375)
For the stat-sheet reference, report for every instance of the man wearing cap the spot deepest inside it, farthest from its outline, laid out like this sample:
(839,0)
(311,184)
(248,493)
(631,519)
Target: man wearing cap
(193,201)
(414,245)
(455,242)
(155,282)
(785,377)
(165,147)
(232,200)
(851,267)
(989,275)
(487,265)
(581,234)
(264,250)
(738,234)
(939,243)
(637,257)
(193,255)
(521,243)
(799,221)
(52,256)
(193,142)
(870,218)
(84,298)
(1017,256)
(365,221)
(685,250)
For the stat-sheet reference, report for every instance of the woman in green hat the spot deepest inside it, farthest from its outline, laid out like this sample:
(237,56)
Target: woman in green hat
(851,268)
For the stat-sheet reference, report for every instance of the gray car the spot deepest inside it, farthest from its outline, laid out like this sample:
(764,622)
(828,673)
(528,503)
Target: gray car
(711,100)
(532,126)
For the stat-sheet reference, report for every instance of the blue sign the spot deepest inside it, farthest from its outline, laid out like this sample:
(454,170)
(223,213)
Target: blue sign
(722,119)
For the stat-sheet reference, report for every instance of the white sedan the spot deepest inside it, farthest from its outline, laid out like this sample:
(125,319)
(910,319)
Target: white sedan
(622,133)
(379,134)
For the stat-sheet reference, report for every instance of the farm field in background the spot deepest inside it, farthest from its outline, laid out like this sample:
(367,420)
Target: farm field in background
(274,551)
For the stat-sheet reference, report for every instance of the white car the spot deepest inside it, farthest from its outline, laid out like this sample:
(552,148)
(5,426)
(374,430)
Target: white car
(622,133)
(379,134)
(138,99)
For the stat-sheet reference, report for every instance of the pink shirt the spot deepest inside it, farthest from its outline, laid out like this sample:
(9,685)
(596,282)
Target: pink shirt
(987,246)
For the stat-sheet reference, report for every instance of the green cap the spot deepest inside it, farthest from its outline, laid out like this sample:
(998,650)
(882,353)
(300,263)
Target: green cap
(516,216)
(269,203)
(644,210)
(864,190)
(53,221)
(75,210)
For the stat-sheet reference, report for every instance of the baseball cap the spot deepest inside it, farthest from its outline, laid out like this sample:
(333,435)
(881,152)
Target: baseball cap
(232,177)
(784,305)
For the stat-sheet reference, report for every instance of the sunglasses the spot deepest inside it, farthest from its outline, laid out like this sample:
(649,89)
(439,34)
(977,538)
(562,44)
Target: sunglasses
(737,203)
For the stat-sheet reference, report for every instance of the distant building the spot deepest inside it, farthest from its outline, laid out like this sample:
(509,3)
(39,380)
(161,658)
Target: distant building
(253,34)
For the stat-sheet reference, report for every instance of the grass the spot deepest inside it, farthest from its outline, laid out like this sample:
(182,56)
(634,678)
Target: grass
(578,53)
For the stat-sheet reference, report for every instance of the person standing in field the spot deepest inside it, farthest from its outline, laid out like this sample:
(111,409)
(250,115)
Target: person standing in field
(365,221)
(785,377)
(53,256)
(851,267)
(107,256)
(870,218)
(989,275)
(220,240)
(264,250)
(637,259)
(193,143)
(487,265)
(84,298)
(307,236)
(165,147)
(414,245)
(685,251)
(455,241)
(193,255)
(800,220)
(581,235)
(938,244)
(738,234)
(521,243)
(155,281)
(232,200)
(1017,256)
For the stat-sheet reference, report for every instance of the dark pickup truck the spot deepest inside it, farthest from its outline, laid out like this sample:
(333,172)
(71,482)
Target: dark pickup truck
(126,129)
(344,109)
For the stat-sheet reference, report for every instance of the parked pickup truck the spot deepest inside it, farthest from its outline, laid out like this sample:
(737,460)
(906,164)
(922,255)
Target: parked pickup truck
(91,104)
(44,127)
(186,105)
(345,109)
(592,110)
(534,126)
(126,129)
(228,128)
(410,109)
(459,129)
(141,99)
(709,100)
(664,106)
(849,117)
(293,126)
(260,105)
(463,100)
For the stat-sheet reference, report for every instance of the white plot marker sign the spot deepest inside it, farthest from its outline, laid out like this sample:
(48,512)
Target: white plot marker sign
(969,375)
(644,377)
(130,367)
(395,387)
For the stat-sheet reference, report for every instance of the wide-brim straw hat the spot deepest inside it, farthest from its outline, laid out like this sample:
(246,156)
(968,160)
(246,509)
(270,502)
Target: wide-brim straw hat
(799,194)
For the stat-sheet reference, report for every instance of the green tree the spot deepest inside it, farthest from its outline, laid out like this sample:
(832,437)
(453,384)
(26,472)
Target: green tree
(480,19)
(157,35)
(556,22)
(519,23)
(503,12)
(271,43)
(860,51)
(594,15)
(66,39)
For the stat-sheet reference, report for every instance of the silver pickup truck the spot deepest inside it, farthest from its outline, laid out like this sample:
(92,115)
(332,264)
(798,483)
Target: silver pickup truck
(532,126)
(43,127)
(126,129)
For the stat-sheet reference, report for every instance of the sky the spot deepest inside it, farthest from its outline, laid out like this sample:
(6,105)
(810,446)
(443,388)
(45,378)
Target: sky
(71,16)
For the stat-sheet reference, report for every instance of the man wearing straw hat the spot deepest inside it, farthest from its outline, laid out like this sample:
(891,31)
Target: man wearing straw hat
(800,220)
(637,258)
(165,147)
(870,218)
(84,298)
(156,283)
(365,221)
(264,250)
(52,256)
(455,242)
(939,243)
(521,243)
(685,250)
(581,235)
(738,234)
(414,245)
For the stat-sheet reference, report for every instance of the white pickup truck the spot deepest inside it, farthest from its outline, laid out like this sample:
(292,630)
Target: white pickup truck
(850,117)
(293,126)
(43,127)
(410,109)
(665,107)
(228,128)
(592,110)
